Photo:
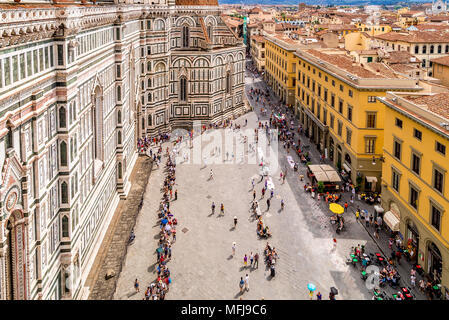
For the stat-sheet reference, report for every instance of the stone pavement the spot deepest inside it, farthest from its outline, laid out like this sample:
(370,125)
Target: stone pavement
(381,244)
(114,247)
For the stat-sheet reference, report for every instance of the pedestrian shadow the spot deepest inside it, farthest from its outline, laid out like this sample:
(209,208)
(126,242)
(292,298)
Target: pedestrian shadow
(280,210)
(230,257)
(220,216)
(211,214)
(152,267)
(242,268)
(238,294)
(270,277)
(232,229)
(129,295)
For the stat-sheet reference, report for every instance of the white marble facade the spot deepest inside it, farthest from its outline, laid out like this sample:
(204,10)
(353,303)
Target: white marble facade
(78,86)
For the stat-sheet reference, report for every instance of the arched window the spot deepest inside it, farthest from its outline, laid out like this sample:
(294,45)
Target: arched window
(64,193)
(119,137)
(119,169)
(149,97)
(447,49)
(143,123)
(183,89)
(148,66)
(63,153)
(149,83)
(62,117)
(431,48)
(185,36)
(65,227)
(228,82)
(424,49)
(423,64)
(439,48)
(416,49)
(9,138)
(210,32)
(119,93)
(98,124)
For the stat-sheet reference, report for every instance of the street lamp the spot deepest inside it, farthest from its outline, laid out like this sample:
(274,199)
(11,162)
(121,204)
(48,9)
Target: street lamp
(381,159)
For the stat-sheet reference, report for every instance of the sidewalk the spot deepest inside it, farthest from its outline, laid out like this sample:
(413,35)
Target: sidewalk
(350,220)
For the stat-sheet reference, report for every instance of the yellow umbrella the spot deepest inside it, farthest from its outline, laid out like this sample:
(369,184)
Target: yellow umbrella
(336,208)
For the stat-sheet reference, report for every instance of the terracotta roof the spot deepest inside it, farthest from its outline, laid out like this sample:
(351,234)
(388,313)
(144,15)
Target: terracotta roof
(382,69)
(258,38)
(395,57)
(416,36)
(438,103)
(402,68)
(443,60)
(346,63)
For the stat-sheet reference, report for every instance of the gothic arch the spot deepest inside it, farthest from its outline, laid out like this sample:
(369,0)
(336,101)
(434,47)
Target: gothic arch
(197,62)
(185,21)
(159,24)
(15,256)
(181,62)
(210,21)
(160,66)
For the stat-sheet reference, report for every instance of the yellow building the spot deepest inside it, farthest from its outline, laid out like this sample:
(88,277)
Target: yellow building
(374,30)
(440,69)
(258,52)
(415,188)
(280,66)
(357,41)
(338,109)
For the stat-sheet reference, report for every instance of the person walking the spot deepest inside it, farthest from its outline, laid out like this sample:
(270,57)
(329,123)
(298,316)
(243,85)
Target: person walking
(235,222)
(233,248)
(222,209)
(213,207)
(251,259)
(254,195)
(318,296)
(256,260)
(247,282)
(346,206)
(252,182)
(136,285)
(334,243)
(390,243)
(245,260)
(176,194)
(241,284)
(263,192)
(268,204)
(211,177)
(271,194)
(282,204)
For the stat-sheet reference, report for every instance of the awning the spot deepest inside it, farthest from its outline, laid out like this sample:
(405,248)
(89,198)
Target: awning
(371,179)
(391,221)
(346,167)
(378,209)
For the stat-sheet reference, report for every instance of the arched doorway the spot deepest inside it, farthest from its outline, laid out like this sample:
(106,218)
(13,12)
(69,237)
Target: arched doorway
(434,262)
(412,241)
(16,275)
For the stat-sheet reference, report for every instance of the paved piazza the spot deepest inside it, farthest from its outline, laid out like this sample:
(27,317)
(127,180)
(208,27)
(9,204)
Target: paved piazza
(202,266)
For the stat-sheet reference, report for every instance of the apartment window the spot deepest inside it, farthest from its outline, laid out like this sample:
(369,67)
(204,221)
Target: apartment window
(435,217)
(325,117)
(340,106)
(348,136)
(417,134)
(441,148)
(424,49)
(313,85)
(438,180)
(340,128)
(370,145)
(319,73)
(370,120)
(318,110)
(395,179)
(349,113)
(333,83)
(371,99)
(325,95)
(397,149)
(341,88)
(333,100)
(414,194)
(319,90)
(416,163)
(332,121)
(350,93)
(398,123)
(308,82)
(326,79)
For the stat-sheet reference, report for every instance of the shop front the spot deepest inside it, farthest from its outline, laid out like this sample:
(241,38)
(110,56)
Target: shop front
(434,262)
(412,237)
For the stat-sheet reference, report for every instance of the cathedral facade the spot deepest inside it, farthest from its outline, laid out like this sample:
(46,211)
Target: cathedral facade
(79,84)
